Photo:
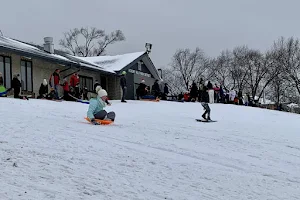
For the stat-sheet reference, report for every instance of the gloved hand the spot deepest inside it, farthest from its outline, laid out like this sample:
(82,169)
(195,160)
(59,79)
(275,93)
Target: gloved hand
(94,122)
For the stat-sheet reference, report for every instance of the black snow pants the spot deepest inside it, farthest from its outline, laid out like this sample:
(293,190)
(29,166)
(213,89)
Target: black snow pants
(104,115)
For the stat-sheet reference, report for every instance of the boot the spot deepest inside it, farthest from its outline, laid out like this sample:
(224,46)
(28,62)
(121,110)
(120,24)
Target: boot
(203,116)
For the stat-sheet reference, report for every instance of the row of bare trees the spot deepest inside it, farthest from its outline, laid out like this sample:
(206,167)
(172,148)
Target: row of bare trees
(275,73)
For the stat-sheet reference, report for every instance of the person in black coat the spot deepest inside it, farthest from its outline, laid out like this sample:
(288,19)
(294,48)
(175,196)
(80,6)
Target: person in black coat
(141,90)
(194,92)
(16,85)
(43,91)
(123,84)
(1,79)
(205,105)
(156,89)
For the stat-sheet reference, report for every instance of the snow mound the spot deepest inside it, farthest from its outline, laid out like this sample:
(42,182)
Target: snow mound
(153,151)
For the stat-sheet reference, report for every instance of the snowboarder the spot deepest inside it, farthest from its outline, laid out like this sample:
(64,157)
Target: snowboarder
(207,111)
(96,108)
(206,107)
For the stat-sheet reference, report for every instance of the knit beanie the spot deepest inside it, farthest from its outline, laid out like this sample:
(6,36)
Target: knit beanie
(102,93)
(98,88)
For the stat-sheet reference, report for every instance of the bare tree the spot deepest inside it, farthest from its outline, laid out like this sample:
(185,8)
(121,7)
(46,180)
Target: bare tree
(239,70)
(174,80)
(220,69)
(89,42)
(290,59)
(278,88)
(190,66)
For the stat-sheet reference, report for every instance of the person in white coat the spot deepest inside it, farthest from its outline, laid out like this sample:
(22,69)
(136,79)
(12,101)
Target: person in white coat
(211,92)
(232,95)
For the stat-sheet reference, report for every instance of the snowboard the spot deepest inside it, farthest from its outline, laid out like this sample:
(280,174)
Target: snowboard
(101,122)
(203,120)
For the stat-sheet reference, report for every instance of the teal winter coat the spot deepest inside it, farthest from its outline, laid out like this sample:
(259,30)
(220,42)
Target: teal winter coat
(95,106)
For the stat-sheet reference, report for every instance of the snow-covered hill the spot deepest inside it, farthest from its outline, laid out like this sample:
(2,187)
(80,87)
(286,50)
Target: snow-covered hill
(153,151)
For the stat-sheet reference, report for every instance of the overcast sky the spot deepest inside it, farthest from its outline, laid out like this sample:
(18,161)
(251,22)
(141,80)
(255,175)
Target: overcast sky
(212,25)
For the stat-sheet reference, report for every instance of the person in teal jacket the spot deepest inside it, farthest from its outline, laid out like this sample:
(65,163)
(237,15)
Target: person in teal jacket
(96,108)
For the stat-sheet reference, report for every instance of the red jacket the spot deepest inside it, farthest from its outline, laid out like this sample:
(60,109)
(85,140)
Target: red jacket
(74,80)
(54,79)
(66,86)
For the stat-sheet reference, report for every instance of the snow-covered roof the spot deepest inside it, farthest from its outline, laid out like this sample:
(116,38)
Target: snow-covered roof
(19,46)
(112,63)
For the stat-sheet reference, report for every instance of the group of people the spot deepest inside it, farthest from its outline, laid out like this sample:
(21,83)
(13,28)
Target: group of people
(16,86)
(207,92)
(71,89)
(159,90)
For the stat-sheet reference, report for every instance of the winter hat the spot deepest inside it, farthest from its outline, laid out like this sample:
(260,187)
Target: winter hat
(98,88)
(45,82)
(102,93)
(143,81)
(124,72)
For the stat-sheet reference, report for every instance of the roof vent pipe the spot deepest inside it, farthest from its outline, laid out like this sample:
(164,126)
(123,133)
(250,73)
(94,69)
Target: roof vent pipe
(48,45)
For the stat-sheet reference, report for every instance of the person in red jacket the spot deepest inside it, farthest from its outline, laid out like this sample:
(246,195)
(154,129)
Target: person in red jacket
(74,80)
(66,88)
(54,82)
(74,83)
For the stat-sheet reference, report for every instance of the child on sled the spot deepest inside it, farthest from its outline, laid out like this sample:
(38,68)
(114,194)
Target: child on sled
(96,108)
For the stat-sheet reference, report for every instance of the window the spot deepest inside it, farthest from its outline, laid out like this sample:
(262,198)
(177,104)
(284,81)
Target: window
(5,69)
(86,82)
(103,82)
(26,75)
(140,66)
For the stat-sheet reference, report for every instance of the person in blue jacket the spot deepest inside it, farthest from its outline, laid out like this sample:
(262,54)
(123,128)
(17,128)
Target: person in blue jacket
(96,108)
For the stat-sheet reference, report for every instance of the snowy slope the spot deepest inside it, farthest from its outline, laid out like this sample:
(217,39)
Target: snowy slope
(153,151)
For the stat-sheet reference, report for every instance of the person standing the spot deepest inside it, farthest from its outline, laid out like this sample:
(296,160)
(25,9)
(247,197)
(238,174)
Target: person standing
(123,84)
(54,82)
(75,83)
(16,85)
(1,79)
(211,92)
(166,91)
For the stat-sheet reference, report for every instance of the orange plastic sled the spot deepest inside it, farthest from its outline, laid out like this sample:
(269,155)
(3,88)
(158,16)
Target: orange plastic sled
(102,122)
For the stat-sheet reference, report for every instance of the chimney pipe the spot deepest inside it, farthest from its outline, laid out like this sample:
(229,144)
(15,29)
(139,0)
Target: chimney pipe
(48,45)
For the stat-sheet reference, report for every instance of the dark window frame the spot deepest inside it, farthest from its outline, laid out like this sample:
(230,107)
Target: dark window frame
(83,79)
(26,79)
(103,82)
(4,70)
